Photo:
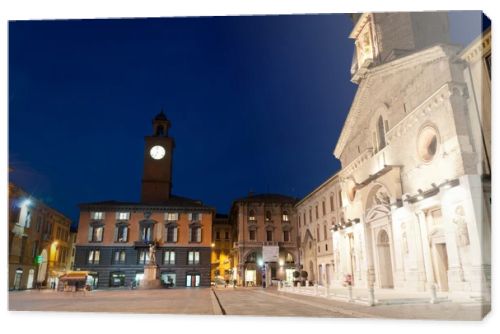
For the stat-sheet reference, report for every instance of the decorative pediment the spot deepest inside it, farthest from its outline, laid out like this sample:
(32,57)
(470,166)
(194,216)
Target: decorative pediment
(252,225)
(377,212)
(308,237)
(383,74)
(270,227)
(147,222)
(286,226)
(96,223)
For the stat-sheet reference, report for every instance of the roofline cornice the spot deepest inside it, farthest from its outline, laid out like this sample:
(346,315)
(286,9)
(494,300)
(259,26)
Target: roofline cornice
(477,48)
(145,207)
(330,180)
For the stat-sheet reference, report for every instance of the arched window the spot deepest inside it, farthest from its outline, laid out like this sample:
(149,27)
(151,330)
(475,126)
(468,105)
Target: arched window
(269,234)
(285,216)
(268,216)
(171,232)
(251,258)
(251,215)
(160,130)
(195,233)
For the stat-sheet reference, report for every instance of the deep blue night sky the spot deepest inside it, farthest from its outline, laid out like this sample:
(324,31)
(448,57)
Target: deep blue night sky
(256,104)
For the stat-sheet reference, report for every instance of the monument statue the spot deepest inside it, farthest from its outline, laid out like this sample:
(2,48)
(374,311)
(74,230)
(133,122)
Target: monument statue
(150,279)
(152,254)
(462,233)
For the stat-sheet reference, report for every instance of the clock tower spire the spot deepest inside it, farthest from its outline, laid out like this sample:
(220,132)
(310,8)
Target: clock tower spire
(158,150)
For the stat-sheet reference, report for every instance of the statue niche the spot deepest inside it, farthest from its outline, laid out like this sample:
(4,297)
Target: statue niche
(462,233)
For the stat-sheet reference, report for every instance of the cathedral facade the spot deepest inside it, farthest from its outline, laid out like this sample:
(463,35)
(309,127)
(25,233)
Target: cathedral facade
(410,207)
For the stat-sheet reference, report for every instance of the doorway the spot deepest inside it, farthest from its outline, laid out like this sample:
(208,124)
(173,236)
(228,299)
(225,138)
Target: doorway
(440,262)
(384,260)
(31,276)
(193,280)
(328,275)
(17,279)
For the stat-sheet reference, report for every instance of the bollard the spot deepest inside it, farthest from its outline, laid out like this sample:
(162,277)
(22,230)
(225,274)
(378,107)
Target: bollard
(307,283)
(433,299)
(371,295)
(349,290)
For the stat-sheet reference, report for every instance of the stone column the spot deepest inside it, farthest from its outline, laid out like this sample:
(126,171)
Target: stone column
(455,271)
(479,230)
(426,252)
(370,263)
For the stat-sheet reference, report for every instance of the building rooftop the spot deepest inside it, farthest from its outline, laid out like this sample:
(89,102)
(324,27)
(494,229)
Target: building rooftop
(173,202)
(268,197)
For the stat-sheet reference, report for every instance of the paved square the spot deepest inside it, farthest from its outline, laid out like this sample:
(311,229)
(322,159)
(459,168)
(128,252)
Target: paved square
(229,301)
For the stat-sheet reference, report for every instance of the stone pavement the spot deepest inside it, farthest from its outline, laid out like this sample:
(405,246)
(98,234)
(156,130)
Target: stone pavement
(229,301)
(443,310)
(172,301)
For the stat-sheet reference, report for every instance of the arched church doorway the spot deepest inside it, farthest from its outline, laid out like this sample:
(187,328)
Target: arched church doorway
(384,260)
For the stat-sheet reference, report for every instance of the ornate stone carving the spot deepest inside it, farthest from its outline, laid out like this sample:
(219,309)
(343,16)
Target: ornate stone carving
(404,239)
(380,197)
(152,254)
(462,233)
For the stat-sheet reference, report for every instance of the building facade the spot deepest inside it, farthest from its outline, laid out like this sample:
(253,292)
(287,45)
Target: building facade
(266,246)
(114,237)
(317,213)
(414,150)
(39,237)
(222,249)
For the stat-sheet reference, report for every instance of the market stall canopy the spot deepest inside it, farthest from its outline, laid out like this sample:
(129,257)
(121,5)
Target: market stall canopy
(75,276)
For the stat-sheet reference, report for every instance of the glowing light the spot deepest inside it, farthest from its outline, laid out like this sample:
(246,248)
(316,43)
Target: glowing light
(213,244)
(282,263)
(260,262)
(26,203)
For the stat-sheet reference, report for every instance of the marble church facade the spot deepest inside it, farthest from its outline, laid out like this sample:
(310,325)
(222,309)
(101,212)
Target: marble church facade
(414,150)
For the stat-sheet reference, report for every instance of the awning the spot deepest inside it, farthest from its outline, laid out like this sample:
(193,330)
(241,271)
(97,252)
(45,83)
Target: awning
(81,276)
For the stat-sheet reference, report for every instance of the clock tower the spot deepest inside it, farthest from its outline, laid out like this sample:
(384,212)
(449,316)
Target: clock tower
(158,150)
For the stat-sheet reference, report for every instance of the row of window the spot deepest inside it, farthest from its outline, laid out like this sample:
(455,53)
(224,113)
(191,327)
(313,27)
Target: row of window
(167,278)
(268,216)
(302,218)
(123,216)
(252,235)
(120,257)
(146,233)
(218,235)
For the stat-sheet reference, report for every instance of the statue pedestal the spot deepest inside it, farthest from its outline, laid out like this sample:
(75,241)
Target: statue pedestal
(150,279)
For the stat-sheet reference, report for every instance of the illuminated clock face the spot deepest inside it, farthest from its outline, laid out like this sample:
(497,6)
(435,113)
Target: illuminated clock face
(157,152)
